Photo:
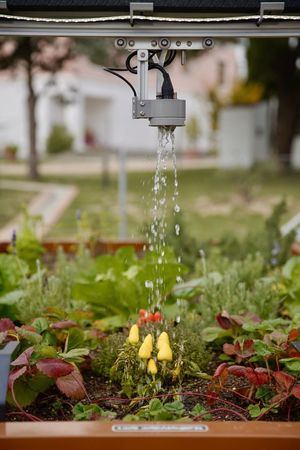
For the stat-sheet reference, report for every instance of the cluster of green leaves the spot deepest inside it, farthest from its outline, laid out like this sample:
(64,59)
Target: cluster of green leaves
(290,286)
(264,353)
(274,249)
(238,289)
(26,245)
(155,410)
(115,285)
(50,349)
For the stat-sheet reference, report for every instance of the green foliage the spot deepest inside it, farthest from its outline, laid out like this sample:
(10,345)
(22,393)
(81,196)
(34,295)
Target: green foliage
(59,140)
(107,354)
(115,285)
(185,246)
(27,246)
(274,248)
(291,286)
(156,410)
(238,290)
(91,412)
(39,293)
(118,360)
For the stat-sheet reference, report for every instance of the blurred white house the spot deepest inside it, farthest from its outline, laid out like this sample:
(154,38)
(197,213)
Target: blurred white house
(96,106)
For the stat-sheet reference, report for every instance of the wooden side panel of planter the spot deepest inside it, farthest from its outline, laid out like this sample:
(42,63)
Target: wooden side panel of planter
(70,247)
(99,436)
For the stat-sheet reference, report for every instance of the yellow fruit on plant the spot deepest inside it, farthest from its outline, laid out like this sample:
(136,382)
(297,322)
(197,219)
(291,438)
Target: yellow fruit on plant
(134,336)
(145,351)
(162,339)
(152,367)
(149,341)
(165,353)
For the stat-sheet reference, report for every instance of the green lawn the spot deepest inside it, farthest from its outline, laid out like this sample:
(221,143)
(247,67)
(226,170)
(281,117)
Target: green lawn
(212,202)
(11,203)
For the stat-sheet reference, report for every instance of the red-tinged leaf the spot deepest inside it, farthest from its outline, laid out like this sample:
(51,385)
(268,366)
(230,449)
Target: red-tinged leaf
(220,370)
(293,335)
(229,349)
(54,367)
(23,359)
(14,375)
(223,320)
(238,371)
(237,320)
(284,381)
(296,391)
(244,350)
(257,377)
(64,325)
(6,325)
(261,376)
(293,353)
(72,385)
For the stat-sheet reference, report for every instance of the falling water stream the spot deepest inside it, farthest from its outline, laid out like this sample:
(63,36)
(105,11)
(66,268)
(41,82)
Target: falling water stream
(158,229)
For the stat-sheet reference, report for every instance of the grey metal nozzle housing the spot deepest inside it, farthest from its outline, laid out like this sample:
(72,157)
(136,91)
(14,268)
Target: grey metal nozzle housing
(160,112)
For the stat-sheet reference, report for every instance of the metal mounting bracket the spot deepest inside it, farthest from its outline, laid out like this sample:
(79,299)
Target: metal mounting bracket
(269,7)
(139,7)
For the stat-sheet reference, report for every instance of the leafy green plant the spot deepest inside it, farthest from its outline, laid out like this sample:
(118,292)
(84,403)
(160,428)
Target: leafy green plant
(25,244)
(91,411)
(59,139)
(116,285)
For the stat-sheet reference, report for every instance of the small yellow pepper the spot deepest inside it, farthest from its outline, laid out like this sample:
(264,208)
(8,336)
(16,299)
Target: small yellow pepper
(162,339)
(133,337)
(145,351)
(152,367)
(149,341)
(165,353)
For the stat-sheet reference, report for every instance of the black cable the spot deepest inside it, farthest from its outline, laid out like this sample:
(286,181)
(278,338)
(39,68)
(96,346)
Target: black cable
(122,78)
(167,87)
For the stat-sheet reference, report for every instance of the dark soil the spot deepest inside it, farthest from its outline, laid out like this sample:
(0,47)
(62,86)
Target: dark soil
(229,405)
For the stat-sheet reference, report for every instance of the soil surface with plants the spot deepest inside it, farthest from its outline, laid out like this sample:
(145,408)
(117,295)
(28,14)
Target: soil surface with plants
(222,343)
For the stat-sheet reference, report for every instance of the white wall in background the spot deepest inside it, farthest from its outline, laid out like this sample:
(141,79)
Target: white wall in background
(244,136)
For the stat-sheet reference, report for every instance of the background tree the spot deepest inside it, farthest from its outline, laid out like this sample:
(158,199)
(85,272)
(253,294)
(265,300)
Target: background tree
(33,55)
(275,63)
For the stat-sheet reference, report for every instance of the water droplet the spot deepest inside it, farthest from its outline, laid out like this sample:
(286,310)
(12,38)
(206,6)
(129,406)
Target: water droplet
(177,208)
(177,229)
(149,284)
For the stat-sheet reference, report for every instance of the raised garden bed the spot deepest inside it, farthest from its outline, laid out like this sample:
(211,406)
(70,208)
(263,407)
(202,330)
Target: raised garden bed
(213,390)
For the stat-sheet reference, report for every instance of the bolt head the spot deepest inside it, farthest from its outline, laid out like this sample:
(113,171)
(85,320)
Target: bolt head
(142,113)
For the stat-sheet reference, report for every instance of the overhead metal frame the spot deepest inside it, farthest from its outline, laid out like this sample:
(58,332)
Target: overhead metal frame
(148,27)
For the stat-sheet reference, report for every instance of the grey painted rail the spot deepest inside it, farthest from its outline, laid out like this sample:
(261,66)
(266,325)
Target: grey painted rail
(5,358)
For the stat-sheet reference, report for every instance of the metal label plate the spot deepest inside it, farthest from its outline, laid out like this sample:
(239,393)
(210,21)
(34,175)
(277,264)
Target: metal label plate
(180,428)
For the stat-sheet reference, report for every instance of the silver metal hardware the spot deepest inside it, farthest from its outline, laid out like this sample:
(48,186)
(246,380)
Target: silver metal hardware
(269,7)
(139,7)
(161,112)
(166,43)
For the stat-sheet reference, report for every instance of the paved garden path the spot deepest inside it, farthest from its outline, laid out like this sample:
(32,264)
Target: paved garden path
(50,202)
(71,164)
